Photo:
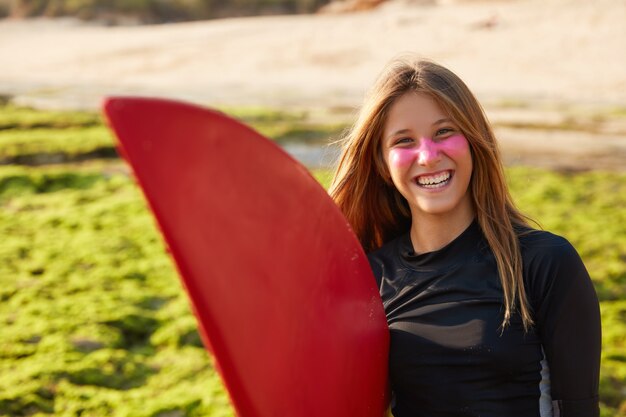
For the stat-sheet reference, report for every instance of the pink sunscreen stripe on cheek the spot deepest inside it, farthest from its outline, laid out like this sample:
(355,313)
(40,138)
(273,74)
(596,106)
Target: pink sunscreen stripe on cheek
(402,156)
(454,146)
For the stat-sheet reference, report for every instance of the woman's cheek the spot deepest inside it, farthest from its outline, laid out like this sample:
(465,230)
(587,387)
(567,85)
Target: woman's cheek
(400,157)
(455,146)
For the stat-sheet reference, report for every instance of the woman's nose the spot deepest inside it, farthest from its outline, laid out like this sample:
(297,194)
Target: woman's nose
(427,152)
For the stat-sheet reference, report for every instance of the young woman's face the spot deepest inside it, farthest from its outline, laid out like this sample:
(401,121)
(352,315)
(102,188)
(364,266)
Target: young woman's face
(427,156)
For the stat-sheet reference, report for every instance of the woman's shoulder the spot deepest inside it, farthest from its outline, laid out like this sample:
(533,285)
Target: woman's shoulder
(538,245)
(550,262)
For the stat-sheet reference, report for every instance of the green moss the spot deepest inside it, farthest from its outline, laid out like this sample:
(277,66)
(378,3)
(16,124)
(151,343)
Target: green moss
(33,137)
(583,208)
(94,320)
(24,118)
(55,145)
(182,331)
(84,291)
(324,176)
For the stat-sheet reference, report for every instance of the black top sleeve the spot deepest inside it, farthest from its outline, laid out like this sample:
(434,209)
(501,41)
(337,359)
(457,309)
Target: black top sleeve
(567,317)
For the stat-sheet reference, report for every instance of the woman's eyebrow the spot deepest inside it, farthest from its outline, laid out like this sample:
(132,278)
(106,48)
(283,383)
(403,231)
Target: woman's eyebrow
(441,121)
(403,131)
(399,132)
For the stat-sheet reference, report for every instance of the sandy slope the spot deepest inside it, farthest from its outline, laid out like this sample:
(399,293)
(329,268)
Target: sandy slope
(537,49)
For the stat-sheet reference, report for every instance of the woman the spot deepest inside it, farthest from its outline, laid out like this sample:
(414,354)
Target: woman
(487,316)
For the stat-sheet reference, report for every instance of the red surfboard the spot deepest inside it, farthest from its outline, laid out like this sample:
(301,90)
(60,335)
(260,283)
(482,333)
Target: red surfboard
(280,286)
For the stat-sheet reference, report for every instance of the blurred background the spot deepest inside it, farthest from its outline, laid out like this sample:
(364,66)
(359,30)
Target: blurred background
(93,320)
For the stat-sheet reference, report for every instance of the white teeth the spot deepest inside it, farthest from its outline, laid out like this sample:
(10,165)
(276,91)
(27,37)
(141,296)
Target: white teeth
(433,180)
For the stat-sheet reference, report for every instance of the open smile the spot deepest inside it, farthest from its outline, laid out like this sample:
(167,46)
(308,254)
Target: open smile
(434,181)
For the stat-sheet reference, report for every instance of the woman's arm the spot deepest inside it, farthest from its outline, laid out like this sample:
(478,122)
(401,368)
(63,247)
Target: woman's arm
(568,319)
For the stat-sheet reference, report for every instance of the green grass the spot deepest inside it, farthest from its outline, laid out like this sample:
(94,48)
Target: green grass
(93,319)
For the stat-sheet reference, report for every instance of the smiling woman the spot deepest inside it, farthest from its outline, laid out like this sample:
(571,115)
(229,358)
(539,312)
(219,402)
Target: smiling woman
(429,162)
(482,309)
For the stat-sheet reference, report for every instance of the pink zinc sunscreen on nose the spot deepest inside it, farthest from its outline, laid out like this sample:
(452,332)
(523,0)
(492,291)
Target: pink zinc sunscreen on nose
(452,146)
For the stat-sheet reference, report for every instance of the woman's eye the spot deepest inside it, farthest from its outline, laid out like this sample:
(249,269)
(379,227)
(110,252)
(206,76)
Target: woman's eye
(443,131)
(402,141)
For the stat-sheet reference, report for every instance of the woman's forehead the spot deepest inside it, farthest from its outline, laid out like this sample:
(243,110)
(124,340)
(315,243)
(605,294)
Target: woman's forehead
(413,111)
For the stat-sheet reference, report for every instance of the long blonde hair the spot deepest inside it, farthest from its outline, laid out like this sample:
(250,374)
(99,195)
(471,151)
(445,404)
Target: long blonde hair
(378,213)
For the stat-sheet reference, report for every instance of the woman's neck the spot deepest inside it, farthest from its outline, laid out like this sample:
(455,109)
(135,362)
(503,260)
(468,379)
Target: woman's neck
(432,232)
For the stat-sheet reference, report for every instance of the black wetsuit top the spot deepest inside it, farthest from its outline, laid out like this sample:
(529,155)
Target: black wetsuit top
(449,355)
